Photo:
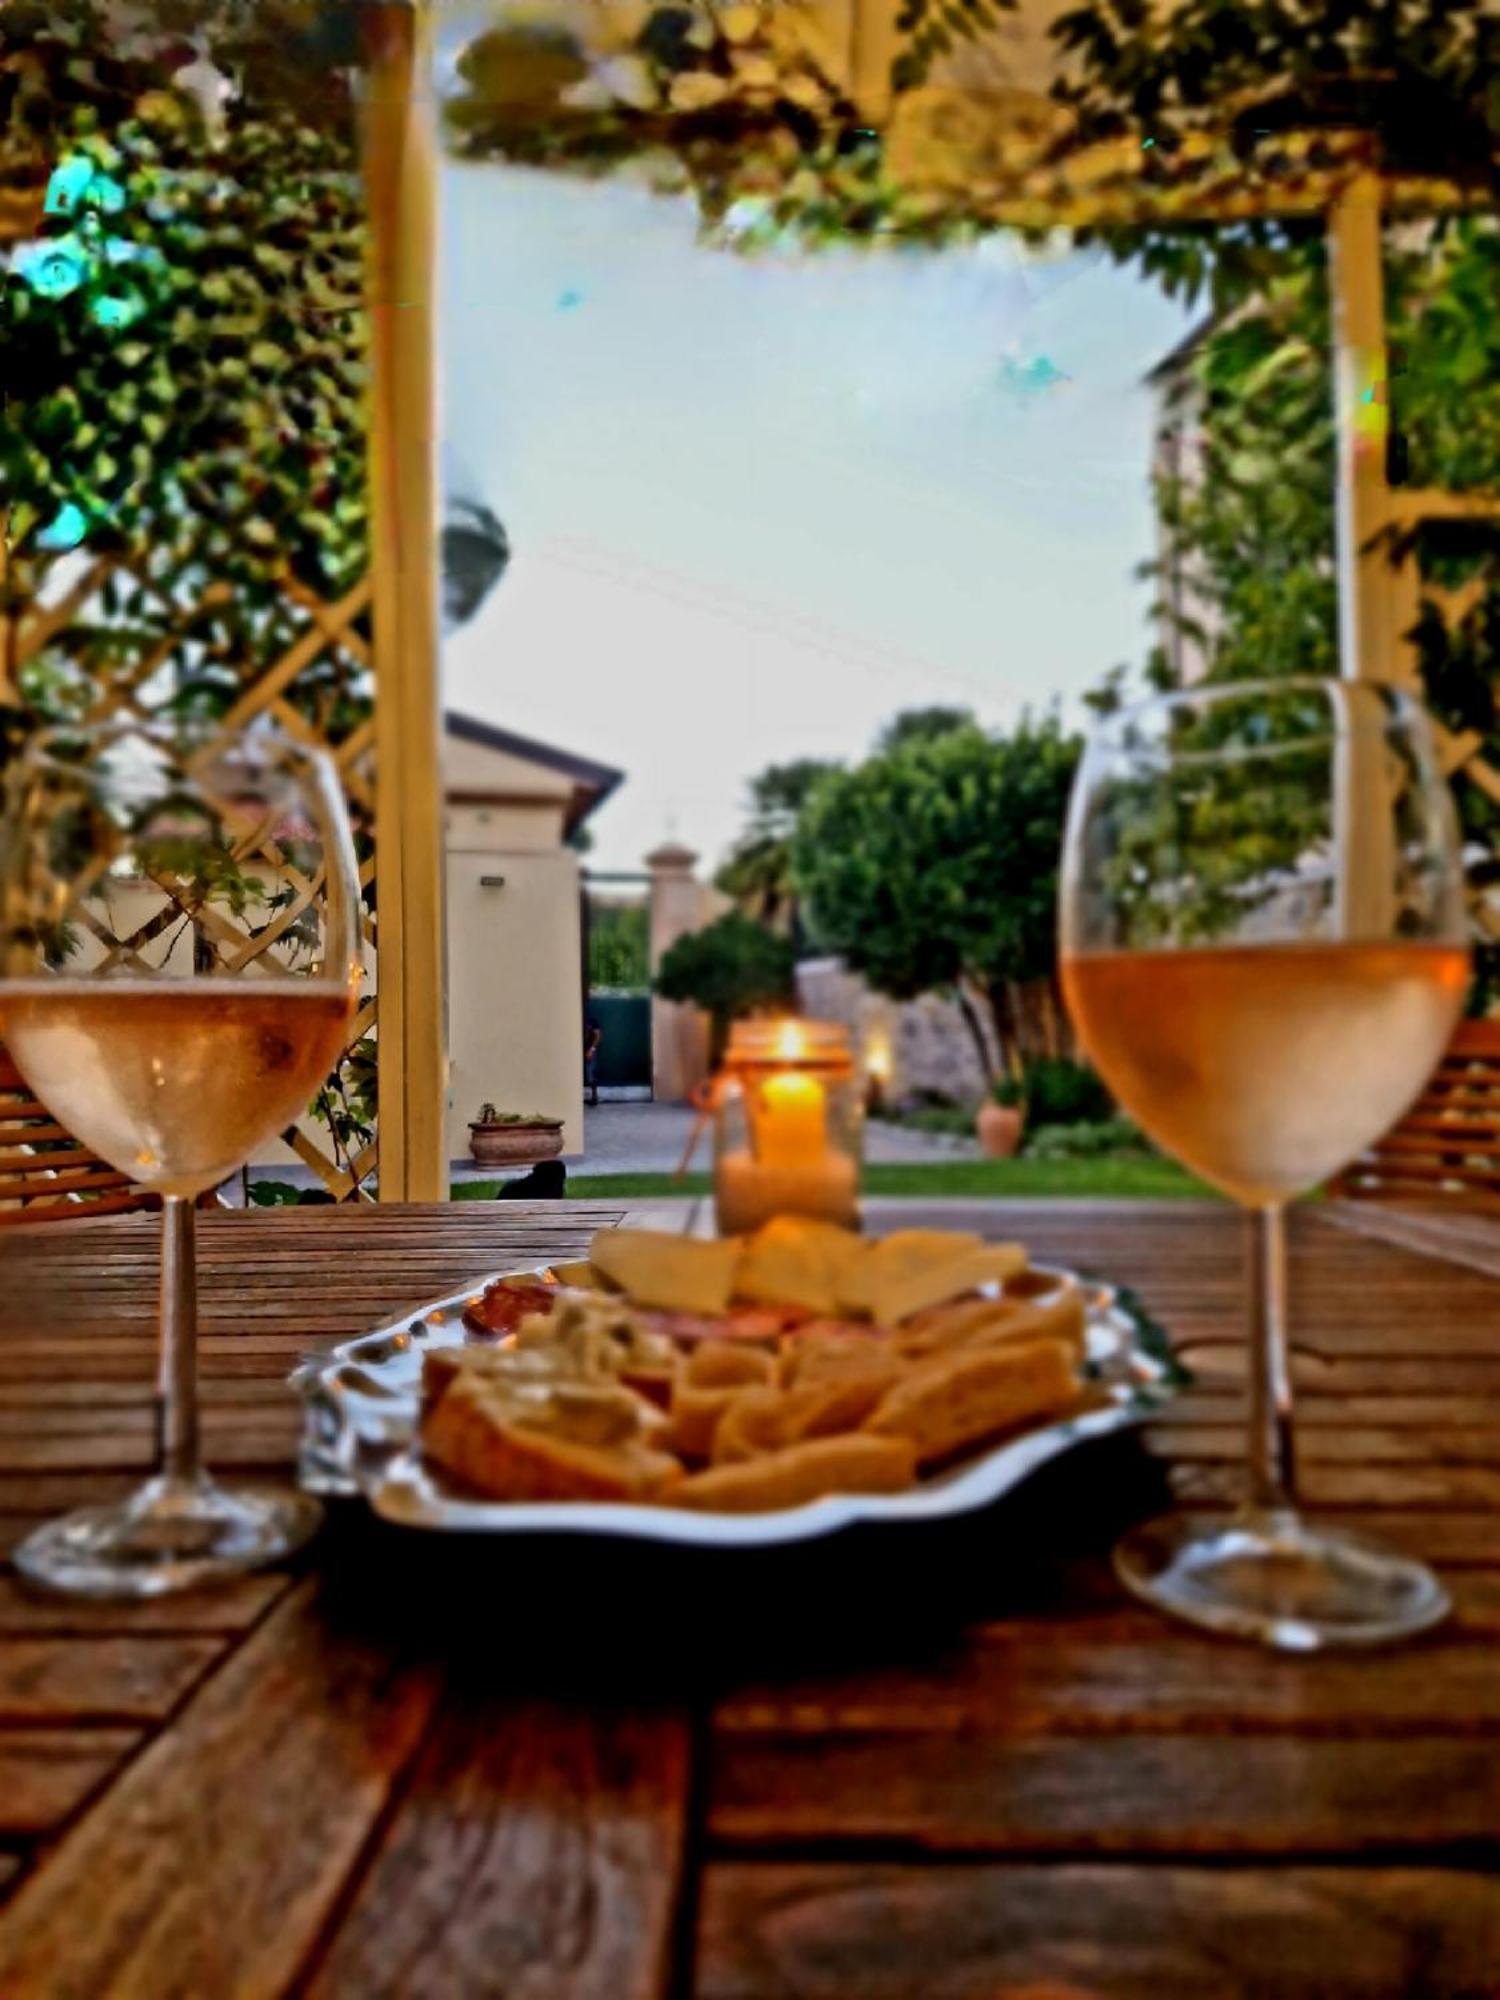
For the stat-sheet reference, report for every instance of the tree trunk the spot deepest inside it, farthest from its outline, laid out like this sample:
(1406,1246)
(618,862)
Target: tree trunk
(976,1029)
(1007,1035)
(1060,1022)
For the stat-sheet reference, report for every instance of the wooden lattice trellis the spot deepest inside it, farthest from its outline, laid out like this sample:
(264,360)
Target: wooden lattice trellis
(120,634)
(304,355)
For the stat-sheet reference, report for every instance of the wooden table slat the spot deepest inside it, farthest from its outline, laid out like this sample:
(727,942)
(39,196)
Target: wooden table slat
(212,1864)
(1108,1794)
(285,1788)
(1011,1932)
(537,1856)
(46,1774)
(114,1678)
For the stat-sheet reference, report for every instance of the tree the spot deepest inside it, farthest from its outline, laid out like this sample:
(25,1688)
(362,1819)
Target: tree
(184,344)
(758,873)
(619,948)
(1248,580)
(922,725)
(935,865)
(731,968)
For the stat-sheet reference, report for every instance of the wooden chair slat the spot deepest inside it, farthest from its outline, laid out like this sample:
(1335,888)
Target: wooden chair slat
(43,1186)
(1448,1144)
(129,1200)
(32,1132)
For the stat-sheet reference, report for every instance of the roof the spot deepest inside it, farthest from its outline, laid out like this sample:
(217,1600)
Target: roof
(592,783)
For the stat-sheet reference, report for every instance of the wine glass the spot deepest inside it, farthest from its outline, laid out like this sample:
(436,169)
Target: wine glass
(178,966)
(1263,951)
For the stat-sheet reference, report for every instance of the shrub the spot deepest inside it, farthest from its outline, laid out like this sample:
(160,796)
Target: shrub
(1058,1091)
(1087,1140)
(942,1118)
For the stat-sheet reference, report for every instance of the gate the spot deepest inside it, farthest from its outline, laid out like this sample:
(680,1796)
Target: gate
(625,1046)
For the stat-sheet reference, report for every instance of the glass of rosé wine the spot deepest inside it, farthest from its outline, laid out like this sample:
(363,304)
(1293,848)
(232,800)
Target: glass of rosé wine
(1263,952)
(179,955)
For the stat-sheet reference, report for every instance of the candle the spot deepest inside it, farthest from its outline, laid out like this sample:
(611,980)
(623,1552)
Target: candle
(748,1192)
(792,1128)
(787,1126)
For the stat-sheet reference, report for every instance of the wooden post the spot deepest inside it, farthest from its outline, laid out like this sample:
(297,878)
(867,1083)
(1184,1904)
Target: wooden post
(400,165)
(1369,647)
(1368,643)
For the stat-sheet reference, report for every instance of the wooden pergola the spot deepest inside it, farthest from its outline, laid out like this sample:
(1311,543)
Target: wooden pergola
(400,160)
(1039,177)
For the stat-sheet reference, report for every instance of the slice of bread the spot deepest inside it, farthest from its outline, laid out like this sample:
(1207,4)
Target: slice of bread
(957,1400)
(708,1381)
(856,1463)
(468,1436)
(761,1420)
(1054,1315)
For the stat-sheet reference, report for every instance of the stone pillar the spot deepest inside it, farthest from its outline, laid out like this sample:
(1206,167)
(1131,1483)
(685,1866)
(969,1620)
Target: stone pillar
(679,1034)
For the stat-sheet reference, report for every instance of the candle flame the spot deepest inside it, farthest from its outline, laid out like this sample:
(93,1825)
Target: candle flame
(791,1043)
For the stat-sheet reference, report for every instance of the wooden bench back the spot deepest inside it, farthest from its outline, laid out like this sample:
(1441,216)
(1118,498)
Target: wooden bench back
(46,1175)
(1448,1144)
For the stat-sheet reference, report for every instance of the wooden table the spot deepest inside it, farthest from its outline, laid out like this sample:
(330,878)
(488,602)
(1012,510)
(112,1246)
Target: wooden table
(899,1766)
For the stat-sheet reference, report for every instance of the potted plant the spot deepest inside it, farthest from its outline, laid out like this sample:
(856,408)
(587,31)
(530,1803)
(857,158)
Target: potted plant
(513,1138)
(1002,1118)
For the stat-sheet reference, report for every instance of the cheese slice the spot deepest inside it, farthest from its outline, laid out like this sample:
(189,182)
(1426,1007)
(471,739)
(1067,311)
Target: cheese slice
(676,1273)
(896,1297)
(899,1255)
(579,1276)
(791,1261)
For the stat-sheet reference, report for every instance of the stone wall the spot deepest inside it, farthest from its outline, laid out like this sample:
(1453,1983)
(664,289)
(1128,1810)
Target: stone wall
(929,1046)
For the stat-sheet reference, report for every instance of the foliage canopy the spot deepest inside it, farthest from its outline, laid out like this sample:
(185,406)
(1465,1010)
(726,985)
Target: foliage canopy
(731,968)
(935,865)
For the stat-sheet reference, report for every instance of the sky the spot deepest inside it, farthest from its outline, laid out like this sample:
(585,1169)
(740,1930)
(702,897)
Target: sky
(756,507)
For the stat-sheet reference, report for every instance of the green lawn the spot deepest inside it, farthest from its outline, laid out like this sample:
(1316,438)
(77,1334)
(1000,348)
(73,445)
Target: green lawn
(1077,1179)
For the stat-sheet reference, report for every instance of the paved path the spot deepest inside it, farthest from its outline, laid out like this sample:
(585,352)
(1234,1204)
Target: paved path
(650,1138)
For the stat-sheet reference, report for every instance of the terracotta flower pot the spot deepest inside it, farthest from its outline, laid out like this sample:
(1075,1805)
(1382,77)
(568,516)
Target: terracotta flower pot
(515,1145)
(999,1127)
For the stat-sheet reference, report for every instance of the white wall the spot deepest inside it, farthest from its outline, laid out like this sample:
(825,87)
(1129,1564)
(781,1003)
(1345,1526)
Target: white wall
(515,1008)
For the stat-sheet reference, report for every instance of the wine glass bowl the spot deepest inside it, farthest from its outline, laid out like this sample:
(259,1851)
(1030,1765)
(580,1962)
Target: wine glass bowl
(1263,951)
(178,969)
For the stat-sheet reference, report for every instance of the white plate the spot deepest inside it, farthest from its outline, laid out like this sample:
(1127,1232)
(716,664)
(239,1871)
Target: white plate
(360,1437)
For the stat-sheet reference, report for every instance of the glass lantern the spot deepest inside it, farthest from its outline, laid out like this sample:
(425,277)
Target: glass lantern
(788,1125)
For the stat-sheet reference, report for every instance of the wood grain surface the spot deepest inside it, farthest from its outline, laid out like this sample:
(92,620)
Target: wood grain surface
(942,1764)
(1063,1933)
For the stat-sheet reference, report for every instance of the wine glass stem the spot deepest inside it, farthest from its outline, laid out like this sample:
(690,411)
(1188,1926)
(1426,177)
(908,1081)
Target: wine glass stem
(177,1397)
(1272,1471)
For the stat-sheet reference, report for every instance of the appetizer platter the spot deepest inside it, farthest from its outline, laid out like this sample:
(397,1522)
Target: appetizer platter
(744,1391)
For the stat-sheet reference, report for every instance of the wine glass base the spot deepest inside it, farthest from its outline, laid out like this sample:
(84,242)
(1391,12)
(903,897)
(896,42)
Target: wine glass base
(1270,1577)
(168,1535)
